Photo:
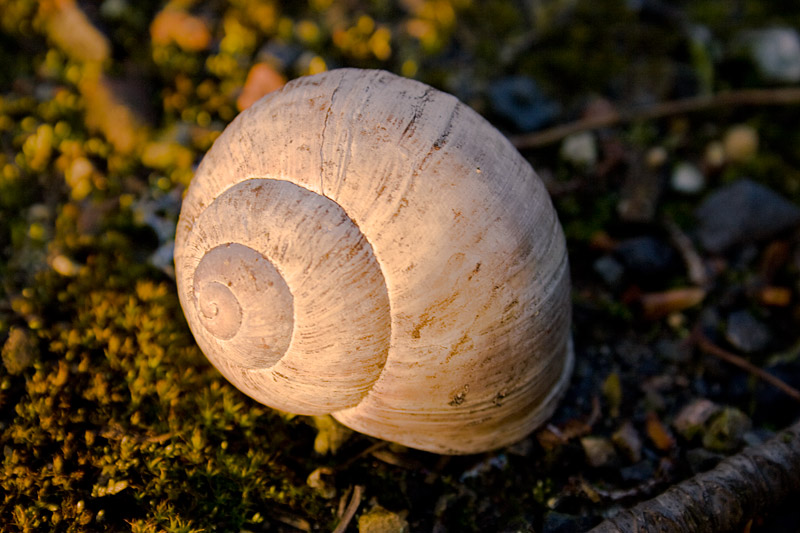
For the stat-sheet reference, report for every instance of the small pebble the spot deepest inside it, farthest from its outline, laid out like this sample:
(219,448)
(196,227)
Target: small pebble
(746,333)
(610,270)
(646,257)
(627,440)
(740,143)
(687,178)
(380,520)
(776,52)
(743,212)
(580,149)
(599,451)
(520,100)
(692,418)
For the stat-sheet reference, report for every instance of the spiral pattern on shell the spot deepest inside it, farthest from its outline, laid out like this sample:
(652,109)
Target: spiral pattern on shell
(364,245)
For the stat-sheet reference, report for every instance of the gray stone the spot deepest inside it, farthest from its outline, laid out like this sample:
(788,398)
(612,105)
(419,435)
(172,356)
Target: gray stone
(746,333)
(743,212)
(520,100)
(610,270)
(776,51)
(687,178)
(645,256)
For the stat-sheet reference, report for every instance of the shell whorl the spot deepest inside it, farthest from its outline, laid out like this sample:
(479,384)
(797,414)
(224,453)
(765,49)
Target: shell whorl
(364,245)
(247,263)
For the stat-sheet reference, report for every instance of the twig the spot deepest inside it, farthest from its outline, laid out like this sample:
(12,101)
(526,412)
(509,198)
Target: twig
(705,344)
(738,489)
(781,96)
(350,512)
(344,465)
(290,520)
(694,263)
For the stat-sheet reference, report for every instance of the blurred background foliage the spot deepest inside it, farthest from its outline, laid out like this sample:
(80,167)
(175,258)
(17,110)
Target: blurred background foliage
(110,417)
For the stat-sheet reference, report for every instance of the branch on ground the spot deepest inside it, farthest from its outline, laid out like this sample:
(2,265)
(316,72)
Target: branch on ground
(752,97)
(725,498)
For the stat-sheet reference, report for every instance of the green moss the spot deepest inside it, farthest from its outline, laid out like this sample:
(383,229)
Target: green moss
(123,413)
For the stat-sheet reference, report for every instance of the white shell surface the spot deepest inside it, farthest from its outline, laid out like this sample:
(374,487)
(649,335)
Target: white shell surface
(383,254)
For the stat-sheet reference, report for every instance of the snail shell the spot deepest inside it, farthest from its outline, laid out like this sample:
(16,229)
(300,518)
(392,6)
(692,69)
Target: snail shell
(364,245)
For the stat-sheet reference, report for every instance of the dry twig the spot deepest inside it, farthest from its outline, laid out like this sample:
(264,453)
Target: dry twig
(705,344)
(691,258)
(351,509)
(740,488)
(780,96)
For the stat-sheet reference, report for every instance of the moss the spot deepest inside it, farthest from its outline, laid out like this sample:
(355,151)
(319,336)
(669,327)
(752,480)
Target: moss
(123,413)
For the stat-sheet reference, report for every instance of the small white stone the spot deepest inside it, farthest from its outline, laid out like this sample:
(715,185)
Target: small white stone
(580,149)
(776,51)
(687,178)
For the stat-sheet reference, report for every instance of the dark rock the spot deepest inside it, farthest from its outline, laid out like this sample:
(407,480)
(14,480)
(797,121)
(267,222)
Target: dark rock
(639,472)
(610,270)
(746,333)
(743,212)
(646,257)
(519,100)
